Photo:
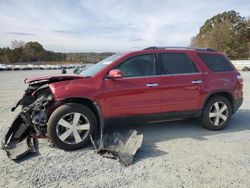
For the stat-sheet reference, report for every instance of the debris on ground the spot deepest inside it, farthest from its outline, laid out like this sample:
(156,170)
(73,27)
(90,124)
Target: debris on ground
(122,146)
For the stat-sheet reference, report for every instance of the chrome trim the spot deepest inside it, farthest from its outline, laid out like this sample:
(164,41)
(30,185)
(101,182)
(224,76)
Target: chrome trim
(196,81)
(152,85)
(162,75)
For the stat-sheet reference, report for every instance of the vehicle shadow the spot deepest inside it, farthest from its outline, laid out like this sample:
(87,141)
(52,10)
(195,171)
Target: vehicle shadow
(191,128)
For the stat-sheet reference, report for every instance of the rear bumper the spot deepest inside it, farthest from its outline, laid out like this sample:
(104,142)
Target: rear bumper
(237,104)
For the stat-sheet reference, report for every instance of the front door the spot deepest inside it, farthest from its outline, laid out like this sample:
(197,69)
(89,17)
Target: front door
(135,96)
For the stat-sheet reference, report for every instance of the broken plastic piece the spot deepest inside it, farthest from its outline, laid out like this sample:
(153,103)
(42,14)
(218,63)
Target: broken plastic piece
(17,150)
(122,146)
(19,140)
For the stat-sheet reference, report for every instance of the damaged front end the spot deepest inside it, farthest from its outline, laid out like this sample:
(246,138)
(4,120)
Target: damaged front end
(37,104)
(30,123)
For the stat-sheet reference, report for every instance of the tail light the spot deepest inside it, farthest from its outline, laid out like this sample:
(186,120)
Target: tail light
(239,77)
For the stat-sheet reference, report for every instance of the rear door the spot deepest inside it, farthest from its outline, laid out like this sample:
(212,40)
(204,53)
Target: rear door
(180,83)
(137,94)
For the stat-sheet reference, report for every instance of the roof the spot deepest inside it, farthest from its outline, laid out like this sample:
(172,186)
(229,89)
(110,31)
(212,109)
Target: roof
(179,48)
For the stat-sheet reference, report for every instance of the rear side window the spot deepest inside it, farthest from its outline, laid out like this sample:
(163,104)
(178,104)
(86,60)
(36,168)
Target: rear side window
(176,63)
(216,62)
(141,65)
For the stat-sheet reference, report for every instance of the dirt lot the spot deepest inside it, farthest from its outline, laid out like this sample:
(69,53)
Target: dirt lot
(174,154)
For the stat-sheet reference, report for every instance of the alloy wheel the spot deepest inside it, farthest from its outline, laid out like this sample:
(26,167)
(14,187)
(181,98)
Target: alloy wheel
(218,113)
(73,128)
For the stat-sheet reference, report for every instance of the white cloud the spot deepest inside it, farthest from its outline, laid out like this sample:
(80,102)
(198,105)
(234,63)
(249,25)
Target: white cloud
(111,25)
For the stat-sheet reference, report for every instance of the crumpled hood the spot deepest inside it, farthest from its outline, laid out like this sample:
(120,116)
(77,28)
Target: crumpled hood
(50,79)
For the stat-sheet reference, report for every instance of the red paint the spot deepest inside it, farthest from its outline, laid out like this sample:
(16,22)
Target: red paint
(115,74)
(130,96)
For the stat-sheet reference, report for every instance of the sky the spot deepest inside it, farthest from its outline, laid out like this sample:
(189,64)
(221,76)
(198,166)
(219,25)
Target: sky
(108,25)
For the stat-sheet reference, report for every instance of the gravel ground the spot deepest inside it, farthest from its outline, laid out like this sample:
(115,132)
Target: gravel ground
(174,154)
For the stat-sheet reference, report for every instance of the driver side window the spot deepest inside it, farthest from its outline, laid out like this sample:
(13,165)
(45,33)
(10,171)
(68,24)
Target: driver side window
(141,65)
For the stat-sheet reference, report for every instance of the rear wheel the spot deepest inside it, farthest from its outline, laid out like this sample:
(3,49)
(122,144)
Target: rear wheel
(217,113)
(70,126)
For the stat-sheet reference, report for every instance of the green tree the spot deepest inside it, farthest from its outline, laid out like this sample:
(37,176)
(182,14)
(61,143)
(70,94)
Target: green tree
(34,51)
(17,48)
(226,32)
(4,55)
(248,34)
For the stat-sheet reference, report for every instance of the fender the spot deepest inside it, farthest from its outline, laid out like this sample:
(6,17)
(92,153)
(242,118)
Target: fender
(74,89)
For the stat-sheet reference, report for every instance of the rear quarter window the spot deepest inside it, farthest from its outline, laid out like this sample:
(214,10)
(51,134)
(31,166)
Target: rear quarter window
(216,62)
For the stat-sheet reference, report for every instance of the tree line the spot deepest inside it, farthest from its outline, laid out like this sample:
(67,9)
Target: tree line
(227,32)
(34,51)
(28,52)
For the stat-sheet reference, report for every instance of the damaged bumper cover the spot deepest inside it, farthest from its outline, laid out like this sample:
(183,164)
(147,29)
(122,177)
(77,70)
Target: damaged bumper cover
(29,124)
(19,139)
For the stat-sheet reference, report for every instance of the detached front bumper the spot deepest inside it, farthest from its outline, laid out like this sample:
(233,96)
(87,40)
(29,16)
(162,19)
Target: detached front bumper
(30,123)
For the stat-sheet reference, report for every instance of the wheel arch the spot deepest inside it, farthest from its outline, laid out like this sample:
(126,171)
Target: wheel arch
(78,100)
(226,94)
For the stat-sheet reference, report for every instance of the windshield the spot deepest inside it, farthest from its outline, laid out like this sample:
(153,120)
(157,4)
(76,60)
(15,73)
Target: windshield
(94,69)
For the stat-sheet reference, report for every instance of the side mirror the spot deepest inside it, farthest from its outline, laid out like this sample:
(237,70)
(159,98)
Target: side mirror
(115,73)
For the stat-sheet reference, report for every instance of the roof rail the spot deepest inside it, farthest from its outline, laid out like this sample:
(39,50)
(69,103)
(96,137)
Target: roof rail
(178,47)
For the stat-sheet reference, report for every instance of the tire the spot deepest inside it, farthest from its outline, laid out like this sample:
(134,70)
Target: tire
(217,113)
(70,126)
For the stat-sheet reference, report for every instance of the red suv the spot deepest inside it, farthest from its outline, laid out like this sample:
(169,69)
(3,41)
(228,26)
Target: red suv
(154,84)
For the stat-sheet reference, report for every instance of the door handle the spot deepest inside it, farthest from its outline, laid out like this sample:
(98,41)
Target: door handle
(196,81)
(152,85)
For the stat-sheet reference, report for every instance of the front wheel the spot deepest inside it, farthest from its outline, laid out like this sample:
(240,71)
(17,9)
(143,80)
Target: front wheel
(70,126)
(217,113)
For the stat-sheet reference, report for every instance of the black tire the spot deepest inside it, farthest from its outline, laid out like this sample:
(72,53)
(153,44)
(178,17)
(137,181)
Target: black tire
(69,110)
(210,122)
